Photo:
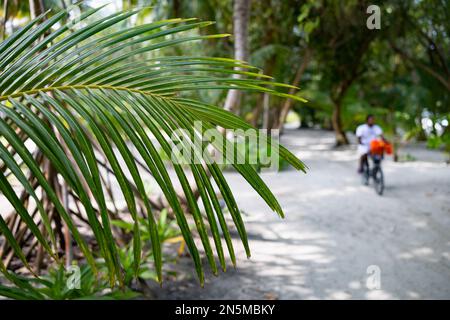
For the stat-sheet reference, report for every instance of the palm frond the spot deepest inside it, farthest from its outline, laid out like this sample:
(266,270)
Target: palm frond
(81,92)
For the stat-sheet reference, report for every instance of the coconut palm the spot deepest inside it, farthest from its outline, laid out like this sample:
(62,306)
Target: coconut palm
(80,101)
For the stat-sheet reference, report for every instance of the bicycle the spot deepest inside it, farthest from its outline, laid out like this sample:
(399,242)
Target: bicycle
(376,173)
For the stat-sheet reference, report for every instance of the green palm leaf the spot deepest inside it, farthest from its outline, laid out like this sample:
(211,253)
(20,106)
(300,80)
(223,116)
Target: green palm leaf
(87,97)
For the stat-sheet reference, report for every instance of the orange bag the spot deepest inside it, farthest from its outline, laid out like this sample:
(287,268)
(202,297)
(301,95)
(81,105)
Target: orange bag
(377,147)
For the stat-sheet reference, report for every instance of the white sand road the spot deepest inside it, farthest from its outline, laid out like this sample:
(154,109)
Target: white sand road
(334,229)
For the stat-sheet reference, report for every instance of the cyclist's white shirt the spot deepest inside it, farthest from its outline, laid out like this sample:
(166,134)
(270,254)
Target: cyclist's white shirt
(367,134)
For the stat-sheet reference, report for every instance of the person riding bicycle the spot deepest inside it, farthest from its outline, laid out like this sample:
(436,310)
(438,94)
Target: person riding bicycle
(366,133)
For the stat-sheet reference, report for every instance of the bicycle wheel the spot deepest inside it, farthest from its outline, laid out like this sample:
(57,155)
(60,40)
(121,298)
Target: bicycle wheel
(378,180)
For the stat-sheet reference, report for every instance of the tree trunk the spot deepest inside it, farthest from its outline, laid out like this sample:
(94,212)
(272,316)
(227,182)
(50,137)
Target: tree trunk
(337,96)
(336,121)
(257,110)
(298,75)
(36,8)
(241,14)
(5,18)
(266,111)
(176,8)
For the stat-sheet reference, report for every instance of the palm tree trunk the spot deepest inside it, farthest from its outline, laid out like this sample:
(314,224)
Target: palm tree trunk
(36,8)
(241,14)
(5,18)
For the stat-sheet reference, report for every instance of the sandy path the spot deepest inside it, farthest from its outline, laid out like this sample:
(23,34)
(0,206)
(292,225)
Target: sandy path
(335,229)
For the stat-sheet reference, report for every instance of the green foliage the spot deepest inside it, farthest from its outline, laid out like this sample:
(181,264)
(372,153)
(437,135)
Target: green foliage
(167,230)
(58,285)
(61,284)
(436,142)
